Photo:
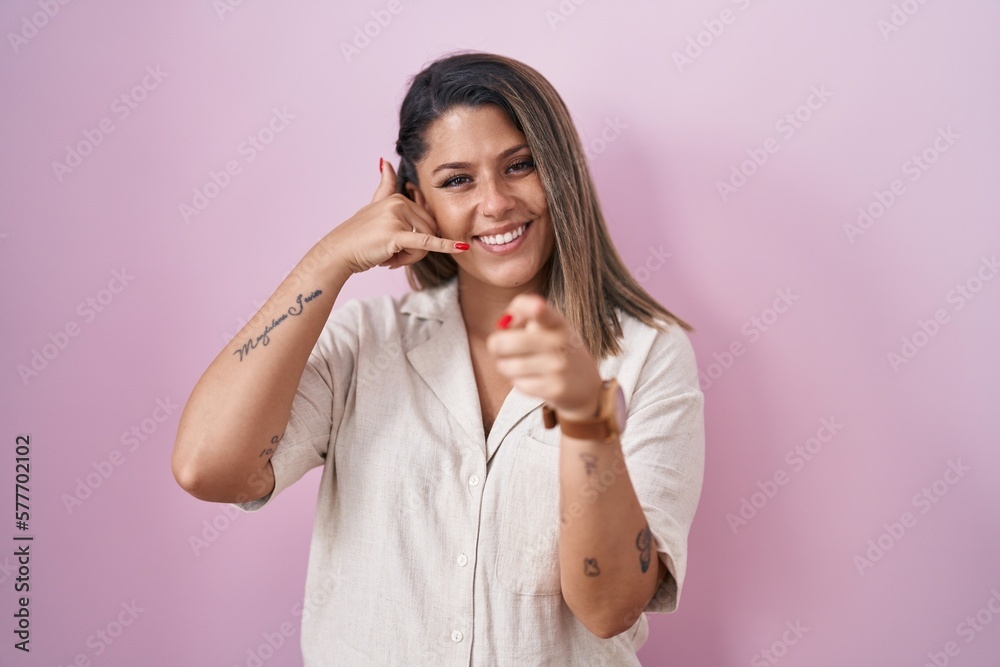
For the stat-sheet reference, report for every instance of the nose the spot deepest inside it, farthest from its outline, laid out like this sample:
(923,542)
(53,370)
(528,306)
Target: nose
(497,199)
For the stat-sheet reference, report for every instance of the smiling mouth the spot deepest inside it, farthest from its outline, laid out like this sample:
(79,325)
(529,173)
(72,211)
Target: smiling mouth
(503,239)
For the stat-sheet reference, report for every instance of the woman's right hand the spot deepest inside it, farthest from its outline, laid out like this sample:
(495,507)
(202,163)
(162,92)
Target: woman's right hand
(391,231)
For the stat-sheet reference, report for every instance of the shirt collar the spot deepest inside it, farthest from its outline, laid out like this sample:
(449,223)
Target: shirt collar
(441,358)
(435,303)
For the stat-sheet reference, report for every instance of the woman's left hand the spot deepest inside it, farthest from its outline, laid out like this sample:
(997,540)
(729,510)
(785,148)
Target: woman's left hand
(545,357)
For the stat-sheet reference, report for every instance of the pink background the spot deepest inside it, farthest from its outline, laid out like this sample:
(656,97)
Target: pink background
(681,129)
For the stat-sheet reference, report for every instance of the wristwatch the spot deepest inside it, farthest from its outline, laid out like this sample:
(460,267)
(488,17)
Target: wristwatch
(606,426)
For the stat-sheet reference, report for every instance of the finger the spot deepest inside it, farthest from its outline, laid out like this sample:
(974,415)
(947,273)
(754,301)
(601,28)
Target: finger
(528,308)
(419,218)
(531,366)
(407,242)
(387,181)
(512,343)
(404,254)
(534,385)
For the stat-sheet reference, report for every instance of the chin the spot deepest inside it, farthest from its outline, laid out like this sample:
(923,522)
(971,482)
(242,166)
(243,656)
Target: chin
(513,278)
(503,276)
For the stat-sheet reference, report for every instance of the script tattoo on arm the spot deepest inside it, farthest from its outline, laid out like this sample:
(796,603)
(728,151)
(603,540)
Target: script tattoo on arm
(590,567)
(589,462)
(644,543)
(265,337)
(270,450)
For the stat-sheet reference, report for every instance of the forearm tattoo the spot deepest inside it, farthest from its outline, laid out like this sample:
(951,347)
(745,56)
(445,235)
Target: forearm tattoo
(270,450)
(265,338)
(589,462)
(644,543)
(590,567)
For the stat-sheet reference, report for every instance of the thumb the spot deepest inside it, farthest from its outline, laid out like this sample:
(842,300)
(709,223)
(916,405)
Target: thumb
(387,182)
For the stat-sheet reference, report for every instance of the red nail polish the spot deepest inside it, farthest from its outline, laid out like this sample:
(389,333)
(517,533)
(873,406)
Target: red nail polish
(504,321)
(380,165)
(462,246)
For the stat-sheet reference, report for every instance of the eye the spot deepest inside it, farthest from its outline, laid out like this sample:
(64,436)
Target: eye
(461,179)
(453,181)
(523,165)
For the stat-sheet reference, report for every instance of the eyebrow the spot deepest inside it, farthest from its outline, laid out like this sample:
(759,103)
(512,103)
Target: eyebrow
(466,165)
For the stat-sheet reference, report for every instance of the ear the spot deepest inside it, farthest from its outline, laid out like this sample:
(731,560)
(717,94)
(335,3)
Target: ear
(414,193)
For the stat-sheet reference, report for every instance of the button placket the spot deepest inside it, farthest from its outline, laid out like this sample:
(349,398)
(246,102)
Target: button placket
(474,483)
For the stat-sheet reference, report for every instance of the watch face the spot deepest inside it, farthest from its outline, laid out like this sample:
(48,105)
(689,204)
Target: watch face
(620,410)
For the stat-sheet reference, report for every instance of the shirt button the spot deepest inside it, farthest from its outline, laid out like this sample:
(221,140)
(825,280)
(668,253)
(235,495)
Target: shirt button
(456,636)
(462,560)
(474,480)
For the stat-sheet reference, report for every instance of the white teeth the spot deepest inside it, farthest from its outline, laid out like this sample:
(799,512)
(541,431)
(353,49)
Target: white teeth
(501,239)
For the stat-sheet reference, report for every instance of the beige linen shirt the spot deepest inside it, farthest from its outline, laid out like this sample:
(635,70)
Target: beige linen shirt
(435,545)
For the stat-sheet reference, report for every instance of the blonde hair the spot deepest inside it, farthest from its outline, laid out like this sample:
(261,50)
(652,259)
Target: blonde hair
(586,274)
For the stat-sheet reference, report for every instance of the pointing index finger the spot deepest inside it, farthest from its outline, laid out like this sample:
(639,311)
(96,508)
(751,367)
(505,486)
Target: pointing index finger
(530,307)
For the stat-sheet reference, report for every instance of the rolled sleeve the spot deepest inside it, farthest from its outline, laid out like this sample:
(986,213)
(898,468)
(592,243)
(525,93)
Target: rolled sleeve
(664,447)
(319,404)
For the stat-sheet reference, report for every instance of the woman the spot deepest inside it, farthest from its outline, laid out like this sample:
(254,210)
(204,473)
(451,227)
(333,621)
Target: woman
(512,452)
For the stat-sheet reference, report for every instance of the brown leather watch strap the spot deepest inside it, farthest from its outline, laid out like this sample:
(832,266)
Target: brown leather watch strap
(596,430)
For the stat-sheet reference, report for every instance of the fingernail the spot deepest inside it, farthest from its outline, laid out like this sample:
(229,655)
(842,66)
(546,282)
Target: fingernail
(380,165)
(504,321)
(462,246)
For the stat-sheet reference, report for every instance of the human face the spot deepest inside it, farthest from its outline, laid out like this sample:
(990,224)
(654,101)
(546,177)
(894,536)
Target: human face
(478,180)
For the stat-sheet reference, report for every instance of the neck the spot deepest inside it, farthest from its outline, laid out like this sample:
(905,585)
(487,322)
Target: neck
(482,303)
